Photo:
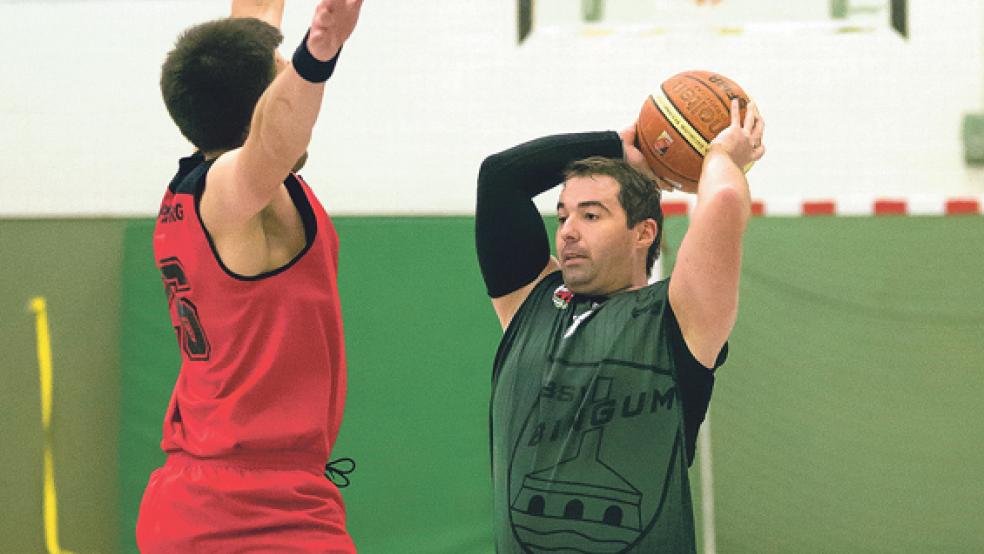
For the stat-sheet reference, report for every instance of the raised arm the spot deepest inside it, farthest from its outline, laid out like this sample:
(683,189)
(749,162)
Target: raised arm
(512,244)
(243,181)
(268,11)
(704,285)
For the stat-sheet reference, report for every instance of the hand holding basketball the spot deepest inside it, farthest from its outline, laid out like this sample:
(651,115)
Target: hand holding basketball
(742,141)
(333,23)
(634,157)
(678,122)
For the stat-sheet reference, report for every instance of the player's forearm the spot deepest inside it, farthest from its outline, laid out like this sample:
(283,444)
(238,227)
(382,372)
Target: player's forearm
(704,287)
(283,122)
(264,135)
(538,165)
(723,186)
(270,11)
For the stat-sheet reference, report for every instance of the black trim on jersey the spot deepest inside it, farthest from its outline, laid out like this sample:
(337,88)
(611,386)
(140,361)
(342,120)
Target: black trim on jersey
(190,179)
(303,207)
(190,170)
(696,381)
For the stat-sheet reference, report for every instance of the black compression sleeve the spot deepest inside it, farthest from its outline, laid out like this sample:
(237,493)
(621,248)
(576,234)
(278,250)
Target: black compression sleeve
(510,238)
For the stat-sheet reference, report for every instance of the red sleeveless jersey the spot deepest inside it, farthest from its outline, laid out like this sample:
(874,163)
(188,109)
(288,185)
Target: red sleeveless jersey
(262,378)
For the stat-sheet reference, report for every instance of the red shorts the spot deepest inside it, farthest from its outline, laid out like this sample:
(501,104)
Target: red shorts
(195,505)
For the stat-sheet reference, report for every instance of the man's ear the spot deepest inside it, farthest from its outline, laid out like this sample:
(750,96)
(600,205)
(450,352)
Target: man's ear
(645,233)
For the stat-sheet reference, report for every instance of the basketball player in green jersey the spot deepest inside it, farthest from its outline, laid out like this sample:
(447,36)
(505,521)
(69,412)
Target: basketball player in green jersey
(601,380)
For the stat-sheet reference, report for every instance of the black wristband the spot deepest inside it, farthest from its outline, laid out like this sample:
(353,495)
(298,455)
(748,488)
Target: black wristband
(310,68)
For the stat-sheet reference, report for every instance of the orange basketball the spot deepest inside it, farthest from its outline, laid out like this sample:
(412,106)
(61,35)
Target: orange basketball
(678,122)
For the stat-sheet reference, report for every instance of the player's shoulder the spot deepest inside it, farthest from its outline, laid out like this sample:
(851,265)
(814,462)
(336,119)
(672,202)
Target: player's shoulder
(657,289)
(548,295)
(653,292)
(651,300)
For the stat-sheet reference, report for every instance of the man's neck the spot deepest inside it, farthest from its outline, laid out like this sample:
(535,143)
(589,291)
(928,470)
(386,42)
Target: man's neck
(214,154)
(610,293)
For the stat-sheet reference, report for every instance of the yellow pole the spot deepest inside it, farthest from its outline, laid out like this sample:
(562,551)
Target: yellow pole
(40,308)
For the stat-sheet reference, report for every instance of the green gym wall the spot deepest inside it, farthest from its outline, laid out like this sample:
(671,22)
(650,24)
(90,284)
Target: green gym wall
(846,419)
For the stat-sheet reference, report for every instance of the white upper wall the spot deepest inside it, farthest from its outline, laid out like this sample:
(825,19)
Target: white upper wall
(425,90)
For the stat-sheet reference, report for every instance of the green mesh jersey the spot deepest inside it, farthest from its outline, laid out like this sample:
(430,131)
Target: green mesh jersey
(595,408)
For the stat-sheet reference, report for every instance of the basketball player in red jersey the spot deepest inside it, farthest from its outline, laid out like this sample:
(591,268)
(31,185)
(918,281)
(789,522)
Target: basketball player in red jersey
(249,261)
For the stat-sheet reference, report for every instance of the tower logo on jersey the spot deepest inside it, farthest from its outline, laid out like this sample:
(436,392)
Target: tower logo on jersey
(592,467)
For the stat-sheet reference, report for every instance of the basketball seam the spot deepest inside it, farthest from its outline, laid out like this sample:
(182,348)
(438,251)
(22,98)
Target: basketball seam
(687,121)
(727,105)
(683,178)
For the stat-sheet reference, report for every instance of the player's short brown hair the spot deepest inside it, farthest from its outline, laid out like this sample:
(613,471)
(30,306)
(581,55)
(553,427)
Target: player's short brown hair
(638,194)
(214,76)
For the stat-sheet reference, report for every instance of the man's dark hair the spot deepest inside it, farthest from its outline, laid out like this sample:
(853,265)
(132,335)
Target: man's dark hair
(213,78)
(638,194)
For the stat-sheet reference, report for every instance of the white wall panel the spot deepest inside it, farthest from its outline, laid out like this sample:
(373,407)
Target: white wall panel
(426,89)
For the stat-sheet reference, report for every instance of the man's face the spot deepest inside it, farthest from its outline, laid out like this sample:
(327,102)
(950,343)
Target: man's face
(596,249)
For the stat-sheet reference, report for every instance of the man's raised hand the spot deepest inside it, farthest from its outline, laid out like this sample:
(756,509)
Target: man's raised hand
(333,23)
(743,141)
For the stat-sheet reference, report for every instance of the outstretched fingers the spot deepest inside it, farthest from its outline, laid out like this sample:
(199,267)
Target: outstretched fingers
(750,116)
(756,128)
(333,23)
(760,126)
